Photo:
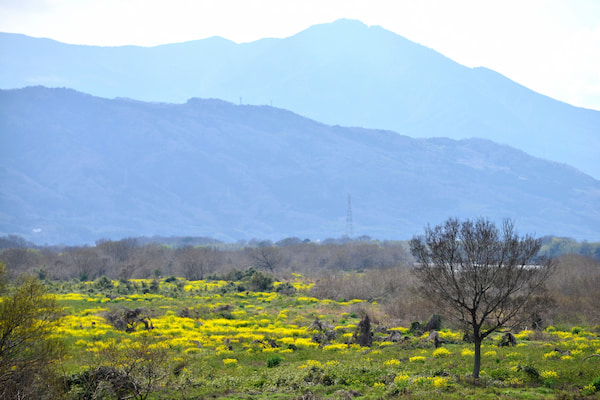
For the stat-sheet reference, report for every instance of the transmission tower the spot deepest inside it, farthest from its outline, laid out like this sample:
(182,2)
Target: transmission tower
(349,224)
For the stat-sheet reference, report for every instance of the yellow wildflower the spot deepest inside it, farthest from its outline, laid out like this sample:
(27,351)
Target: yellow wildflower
(401,379)
(549,374)
(441,352)
(467,353)
(392,363)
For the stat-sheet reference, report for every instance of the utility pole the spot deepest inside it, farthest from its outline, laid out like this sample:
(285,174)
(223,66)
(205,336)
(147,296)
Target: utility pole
(349,224)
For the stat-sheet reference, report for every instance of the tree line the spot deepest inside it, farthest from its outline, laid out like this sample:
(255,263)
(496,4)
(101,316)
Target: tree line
(136,258)
(344,268)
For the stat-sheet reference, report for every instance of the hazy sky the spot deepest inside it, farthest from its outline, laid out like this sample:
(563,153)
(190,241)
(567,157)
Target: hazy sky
(550,46)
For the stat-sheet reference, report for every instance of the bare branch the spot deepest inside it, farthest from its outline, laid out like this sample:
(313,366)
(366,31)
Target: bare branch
(484,274)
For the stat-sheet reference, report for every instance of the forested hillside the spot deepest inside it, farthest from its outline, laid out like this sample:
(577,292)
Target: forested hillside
(76,168)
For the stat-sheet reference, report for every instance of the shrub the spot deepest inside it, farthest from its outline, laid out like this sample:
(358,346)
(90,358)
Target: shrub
(531,372)
(503,374)
(596,384)
(103,283)
(260,282)
(125,319)
(286,289)
(273,361)
(28,317)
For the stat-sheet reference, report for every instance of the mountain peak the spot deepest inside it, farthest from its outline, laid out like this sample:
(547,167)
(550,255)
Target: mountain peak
(348,29)
(347,23)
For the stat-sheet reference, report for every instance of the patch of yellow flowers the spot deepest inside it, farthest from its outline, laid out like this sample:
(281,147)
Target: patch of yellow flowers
(441,352)
(401,379)
(392,363)
(549,374)
(466,352)
(438,382)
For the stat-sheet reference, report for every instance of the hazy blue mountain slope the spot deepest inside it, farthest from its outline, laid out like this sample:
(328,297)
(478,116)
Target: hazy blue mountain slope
(80,167)
(340,73)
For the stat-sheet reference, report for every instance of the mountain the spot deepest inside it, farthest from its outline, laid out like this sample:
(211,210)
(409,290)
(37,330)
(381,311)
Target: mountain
(75,168)
(339,73)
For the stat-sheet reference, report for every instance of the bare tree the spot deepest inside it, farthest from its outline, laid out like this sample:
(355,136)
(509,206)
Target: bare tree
(120,250)
(19,260)
(196,262)
(266,257)
(87,263)
(152,260)
(485,276)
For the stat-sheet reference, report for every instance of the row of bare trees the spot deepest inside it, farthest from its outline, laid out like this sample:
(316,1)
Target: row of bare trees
(127,259)
(361,269)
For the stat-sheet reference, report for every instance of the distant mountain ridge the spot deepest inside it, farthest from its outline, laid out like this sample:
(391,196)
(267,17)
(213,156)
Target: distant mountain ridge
(75,168)
(339,73)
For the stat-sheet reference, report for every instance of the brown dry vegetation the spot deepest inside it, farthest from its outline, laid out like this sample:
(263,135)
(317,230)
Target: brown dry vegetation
(361,269)
(575,290)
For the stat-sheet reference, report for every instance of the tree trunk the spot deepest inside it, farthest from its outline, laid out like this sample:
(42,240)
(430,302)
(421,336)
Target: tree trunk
(477,361)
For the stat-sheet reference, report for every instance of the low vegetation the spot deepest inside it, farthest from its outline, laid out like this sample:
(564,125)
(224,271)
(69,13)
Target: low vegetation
(281,331)
(207,339)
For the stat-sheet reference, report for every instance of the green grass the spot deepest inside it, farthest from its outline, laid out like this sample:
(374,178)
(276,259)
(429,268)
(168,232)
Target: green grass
(222,349)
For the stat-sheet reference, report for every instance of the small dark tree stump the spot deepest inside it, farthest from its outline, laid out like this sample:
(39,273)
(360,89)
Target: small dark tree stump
(363,335)
(434,323)
(508,339)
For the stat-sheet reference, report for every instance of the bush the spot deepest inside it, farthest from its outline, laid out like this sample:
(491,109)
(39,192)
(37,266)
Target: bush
(274,361)
(596,384)
(134,370)
(260,282)
(531,372)
(286,289)
(103,283)
(28,317)
(125,319)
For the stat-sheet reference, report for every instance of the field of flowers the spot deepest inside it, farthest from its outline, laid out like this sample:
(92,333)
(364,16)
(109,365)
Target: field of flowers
(211,339)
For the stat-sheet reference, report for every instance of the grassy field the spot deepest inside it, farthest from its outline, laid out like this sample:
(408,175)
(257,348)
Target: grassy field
(215,339)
